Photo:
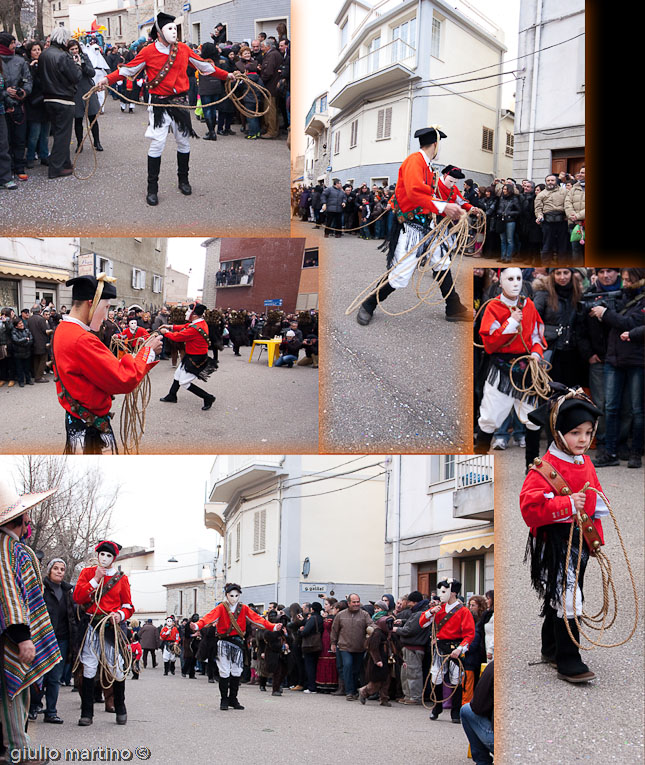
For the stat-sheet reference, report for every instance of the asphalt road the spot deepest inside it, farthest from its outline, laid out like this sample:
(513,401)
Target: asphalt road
(179,720)
(542,719)
(400,384)
(257,410)
(239,186)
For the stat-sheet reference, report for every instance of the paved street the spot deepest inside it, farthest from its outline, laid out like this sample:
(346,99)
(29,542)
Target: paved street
(258,410)
(403,382)
(543,719)
(112,202)
(179,720)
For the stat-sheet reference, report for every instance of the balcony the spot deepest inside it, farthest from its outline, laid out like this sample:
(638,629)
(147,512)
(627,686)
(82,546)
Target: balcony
(474,494)
(317,121)
(379,70)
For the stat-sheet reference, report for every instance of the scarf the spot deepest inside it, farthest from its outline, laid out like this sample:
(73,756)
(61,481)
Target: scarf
(4,51)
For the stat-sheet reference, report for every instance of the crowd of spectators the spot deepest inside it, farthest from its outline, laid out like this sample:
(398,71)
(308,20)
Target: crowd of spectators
(42,84)
(594,323)
(538,224)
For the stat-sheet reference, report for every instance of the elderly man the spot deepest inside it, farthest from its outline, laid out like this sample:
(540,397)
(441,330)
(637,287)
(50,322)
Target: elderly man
(29,646)
(59,75)
(270,74)
(574,207)
(39,329)
(549,213)
(348,637)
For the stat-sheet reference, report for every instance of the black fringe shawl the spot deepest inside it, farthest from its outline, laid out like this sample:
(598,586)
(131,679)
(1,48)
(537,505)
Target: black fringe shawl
(201,366)
(547,553)
(169,105)
(499,375)
(234,652)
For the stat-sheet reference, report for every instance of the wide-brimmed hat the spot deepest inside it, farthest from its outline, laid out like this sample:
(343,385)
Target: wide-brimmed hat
(13,504)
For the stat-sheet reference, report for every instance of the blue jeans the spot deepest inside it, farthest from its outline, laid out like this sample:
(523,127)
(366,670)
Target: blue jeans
(37,140)
(210,112)
(518,429)
(507,241)
(479,730)
(282,360)
(352,665)
(378,228)
(53,680)
(253,126)
(617,381)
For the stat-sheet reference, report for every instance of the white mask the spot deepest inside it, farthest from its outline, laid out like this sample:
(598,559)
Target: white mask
(169,33)
(511,282)
(169,622)
(449,181)
(105,559)
(99,315)
(233,598)
(133,326)
(444,594)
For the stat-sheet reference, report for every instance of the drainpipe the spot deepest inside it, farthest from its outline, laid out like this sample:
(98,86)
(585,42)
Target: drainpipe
(279,557)
(534,83)
(396,518)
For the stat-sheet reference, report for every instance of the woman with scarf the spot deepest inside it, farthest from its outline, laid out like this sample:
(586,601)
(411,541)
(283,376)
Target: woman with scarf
(85,84)
(378,667)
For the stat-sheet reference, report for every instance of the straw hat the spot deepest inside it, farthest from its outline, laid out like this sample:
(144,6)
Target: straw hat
(13,504)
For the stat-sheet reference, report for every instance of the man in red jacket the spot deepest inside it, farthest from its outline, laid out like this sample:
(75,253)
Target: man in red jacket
(454,632)
(165,62)
(102,590)
(196,362)
(87,374)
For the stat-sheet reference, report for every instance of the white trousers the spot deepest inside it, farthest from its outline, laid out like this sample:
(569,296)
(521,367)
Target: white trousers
(403,271)
(158,135)
(572,596)
(183,377)
(167,654)
(496,406)
(438,675)
(90,656)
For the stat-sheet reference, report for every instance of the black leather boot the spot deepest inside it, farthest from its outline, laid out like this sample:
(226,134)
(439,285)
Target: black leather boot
(87,701)
(532,449)
(119,703)
(437,709)
(456,705)
(154,165)
(366,311)
(567,655)
(223,690)
(165,667)
(548,636)
(482,442)
(95,136)
(234,686)
(171,398)
(455,310)
(211,135)
(182,173)
(208,399)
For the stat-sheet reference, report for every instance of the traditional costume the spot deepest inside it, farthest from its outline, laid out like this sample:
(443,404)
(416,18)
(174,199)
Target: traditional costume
(230,618)
(165,62)
(87,374)
(548,510)
(132,333)
(169,637)
(454,632)
(417,202)
(102,590)
(196,362)
(505,340)
(23,618)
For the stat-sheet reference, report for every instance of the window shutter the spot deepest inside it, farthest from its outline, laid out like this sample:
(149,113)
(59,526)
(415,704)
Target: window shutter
(134,278)
(435,468)
(256,531)
(237,542)
(263,528)
(379,124)
(387,129)
(487,139)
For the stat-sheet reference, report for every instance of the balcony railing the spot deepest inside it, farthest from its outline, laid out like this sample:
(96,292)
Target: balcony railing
(395,52)
(474,471)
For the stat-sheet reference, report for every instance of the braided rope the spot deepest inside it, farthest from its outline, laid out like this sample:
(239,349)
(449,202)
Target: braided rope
(433,686)
(132,421)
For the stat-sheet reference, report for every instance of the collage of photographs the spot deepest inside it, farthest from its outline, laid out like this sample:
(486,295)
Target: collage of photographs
(259,247)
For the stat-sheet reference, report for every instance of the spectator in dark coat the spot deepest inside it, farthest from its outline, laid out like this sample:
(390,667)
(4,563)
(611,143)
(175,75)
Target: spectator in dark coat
(377,668)
(85,84)
(18,83)
(39,329)
(37,122)
(149,639)
(507,215)
(21,343)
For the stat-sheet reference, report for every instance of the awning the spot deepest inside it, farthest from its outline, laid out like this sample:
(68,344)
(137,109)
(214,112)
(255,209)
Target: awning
(457,543)
(27,271)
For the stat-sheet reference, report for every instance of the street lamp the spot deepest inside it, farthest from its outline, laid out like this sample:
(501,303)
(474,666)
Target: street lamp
(306,567)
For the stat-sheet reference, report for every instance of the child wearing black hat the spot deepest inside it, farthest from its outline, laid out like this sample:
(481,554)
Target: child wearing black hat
(554,496)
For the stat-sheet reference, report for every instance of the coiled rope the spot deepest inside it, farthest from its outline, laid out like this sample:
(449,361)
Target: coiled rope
(601,620)
(433,686)
(132,421)
(457,237)
(258,91)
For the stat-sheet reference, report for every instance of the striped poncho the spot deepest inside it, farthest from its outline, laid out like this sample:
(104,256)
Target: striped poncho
(21,602)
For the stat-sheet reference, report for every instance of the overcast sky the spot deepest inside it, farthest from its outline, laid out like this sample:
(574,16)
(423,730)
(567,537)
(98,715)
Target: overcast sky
(188,256)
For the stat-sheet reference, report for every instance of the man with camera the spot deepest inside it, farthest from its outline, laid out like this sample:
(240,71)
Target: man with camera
(18,83)
(550,214)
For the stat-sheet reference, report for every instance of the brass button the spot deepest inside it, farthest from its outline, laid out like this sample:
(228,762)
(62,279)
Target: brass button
(553,474)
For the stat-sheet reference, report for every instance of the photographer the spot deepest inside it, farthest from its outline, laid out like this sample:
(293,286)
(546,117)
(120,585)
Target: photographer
(17,80)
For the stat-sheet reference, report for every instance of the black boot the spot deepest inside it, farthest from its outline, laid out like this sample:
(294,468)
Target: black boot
(87,701)
(548,636)
(455,310)
(234,685)
(166,664)
(119,703)
(171,667)
(182,173)
(95,136)
(211,135)
(172,399)
(456,705)
(437,709)
(567,655)
(482,442)
(208,399)
(366,311)
(154,165)
(223,690)
(532,449)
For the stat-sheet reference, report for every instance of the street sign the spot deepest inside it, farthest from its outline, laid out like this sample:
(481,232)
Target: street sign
(275,301)
(185,7)
(317,588)
(86,264)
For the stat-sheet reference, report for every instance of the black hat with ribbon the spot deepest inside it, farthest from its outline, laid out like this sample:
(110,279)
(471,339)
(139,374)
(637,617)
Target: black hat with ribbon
(160,22)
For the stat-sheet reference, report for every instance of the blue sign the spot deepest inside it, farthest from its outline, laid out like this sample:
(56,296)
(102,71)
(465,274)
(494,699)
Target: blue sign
(185,7)
(275,301)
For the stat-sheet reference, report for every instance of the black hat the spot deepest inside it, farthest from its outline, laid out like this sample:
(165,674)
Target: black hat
(230,586)
(428,135)
(454,584)
(114,548)
(160,22)
(571,412)
(453,172)
(84,288)
(199,309)
(415,596)
(6,38)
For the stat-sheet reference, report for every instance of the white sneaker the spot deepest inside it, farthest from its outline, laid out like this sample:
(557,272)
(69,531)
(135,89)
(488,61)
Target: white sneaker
(521,442)
(123,107)
(308,691)
(499,443)
(131,108)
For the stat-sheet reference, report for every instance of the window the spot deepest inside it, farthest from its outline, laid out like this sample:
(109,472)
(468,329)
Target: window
(310,259)
(181,602)
(488,136)
(337,142)
(238,541)
(259,531)
(120,27)
(384,124)
(404,33)
(228,551)
(373,58)
(323,103)
(105,266)
(157,282)
(138,279)
(353,141)
(380,182)
(344,33)
(448,466)
(194,600)
(197,35)
(442,468)
(472,576)
(510,143)
(435,43)
(236,273)
(9,293)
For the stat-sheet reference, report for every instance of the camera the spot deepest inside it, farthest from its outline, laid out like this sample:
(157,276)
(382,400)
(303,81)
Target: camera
(607,299)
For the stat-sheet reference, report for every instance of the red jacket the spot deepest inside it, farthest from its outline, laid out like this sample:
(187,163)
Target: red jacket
(196,344)
(451,195)
(219,615)
(169,634)
(495,341)
(460,626)
(415,186)
(538,510)
(137,651)
(127,335)
(175,82)
(90,372)
(118,599)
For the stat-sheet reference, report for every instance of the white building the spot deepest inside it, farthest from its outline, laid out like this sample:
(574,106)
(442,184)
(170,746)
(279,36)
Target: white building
(439,523)
(175,286)
(550,98)
(299,526)
(318,148)
(399,69)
